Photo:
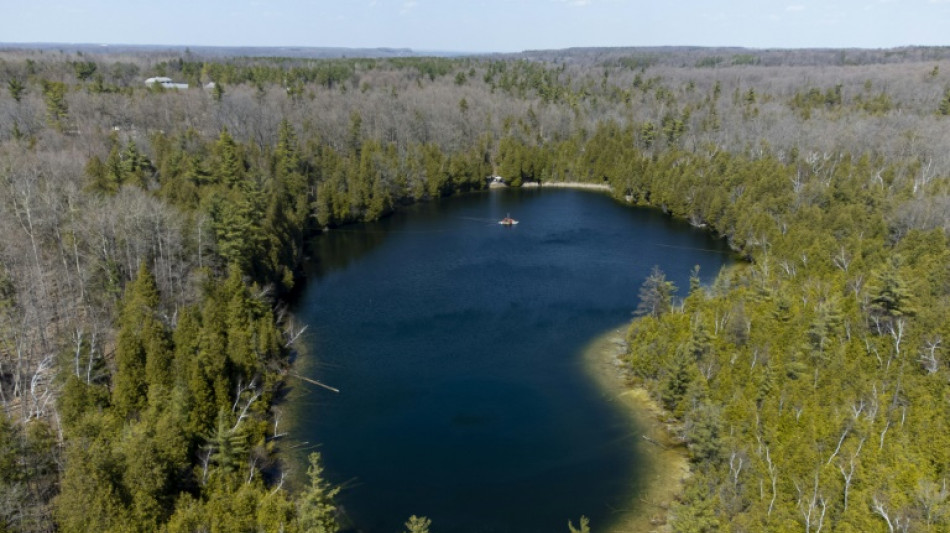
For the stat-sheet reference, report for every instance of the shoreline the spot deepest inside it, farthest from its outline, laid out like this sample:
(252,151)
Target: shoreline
(555,185)
(566,185)
(665,463)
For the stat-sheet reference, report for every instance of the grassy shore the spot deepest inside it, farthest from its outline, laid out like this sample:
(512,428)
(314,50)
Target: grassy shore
(664,461)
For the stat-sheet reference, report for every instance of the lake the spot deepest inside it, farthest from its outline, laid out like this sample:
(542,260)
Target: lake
(455,343)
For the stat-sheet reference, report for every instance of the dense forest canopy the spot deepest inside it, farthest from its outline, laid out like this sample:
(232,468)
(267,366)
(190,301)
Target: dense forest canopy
(151,234)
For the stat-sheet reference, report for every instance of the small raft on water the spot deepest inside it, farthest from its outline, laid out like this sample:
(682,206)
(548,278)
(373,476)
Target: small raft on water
(508,221)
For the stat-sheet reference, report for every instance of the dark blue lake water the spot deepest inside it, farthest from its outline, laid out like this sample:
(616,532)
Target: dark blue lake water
(455,343)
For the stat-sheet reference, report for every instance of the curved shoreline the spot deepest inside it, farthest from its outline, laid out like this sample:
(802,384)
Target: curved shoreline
(665,463)
(567,185)
(555,185)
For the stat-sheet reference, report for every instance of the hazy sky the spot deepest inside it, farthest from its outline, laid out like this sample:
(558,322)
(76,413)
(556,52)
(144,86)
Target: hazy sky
(481,25)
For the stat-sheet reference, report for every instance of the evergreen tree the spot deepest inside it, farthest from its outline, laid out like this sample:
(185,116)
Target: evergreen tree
(316,509)
(217,92)
(209,375)
(92,495)
(236,218)
(656,294)
(16,88)
(943,108)
(227,165)
(109,176)
(696,513)
(890,295)
(678,380)
(143,351)
(135,166)
(418,524)
(703,434)
(57,110)
(227,446)
(95,171)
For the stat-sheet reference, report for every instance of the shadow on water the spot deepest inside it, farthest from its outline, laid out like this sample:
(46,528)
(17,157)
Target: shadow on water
(456,342)
(337,248)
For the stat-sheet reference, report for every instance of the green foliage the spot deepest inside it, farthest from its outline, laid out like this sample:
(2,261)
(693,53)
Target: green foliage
(418,524)
(704,435)
(656,294)
(943,107)
(806,102)
(678,382)
(79,397)
(28,475)
(16,88)
(235,507)
(217,91)
(878,104)
(430,67)
(316,509)
(637,62)
(890,296)
(708,62)
(122,166)
(744,59)
(92,495)
(582,527)
(84,69)
(673,127)
(696,513)
(195,406)
(226,446)
(57,110)
(143,351)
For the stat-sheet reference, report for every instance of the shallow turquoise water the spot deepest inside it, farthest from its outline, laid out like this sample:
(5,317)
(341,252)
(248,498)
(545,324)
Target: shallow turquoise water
(455,343)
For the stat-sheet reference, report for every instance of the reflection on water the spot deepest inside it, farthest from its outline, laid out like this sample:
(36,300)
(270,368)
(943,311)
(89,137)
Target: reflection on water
(335,251)
(455,343)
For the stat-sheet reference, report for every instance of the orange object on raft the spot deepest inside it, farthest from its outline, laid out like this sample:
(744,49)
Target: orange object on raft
(508,221)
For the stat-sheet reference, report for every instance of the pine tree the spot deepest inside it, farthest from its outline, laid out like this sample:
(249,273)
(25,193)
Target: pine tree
(228,165)
(890,295)
(418,524)
(210,373)
(944,107)
(95,171)
(656,294)
(134,165)
(114,171)
(696,513)
(704,435)
(286,154)
(227,445)
(675,387)
(237,216)
(57,111)
(143,351)
(217,92)
(16,88)
(288,212)
(92,496)
(354,137)
(316,510)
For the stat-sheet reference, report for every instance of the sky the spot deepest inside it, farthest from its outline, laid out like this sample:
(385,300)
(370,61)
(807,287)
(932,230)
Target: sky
(480,25)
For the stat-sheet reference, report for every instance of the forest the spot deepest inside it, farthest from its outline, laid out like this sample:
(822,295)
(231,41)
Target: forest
(151,237)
